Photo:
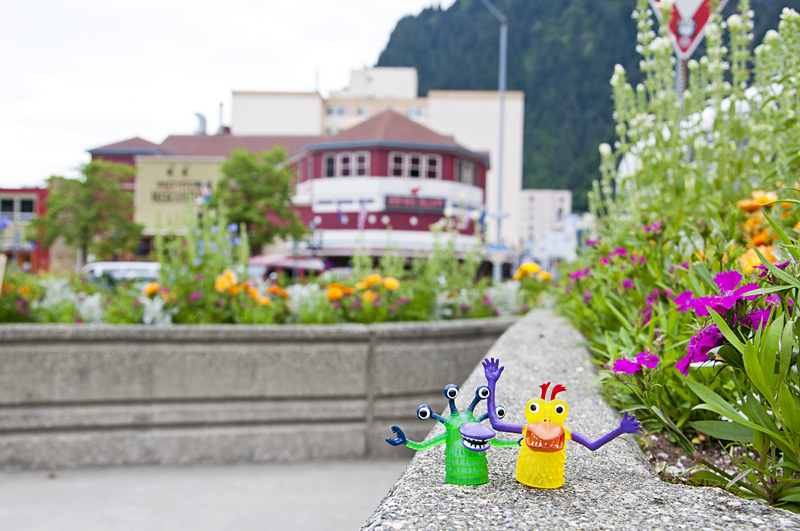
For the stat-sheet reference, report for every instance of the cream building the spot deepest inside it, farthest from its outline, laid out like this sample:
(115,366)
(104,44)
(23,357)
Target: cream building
(541,212)
(472,118)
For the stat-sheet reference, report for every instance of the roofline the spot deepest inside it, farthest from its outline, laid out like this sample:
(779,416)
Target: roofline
(356,144)
(125,151)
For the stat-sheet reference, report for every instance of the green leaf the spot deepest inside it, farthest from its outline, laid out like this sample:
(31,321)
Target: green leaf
(790,416)
(726,331)
(787,345)
(731,356)
(783,275)
(714,402)
(752,366)
(720,429)
(787,242)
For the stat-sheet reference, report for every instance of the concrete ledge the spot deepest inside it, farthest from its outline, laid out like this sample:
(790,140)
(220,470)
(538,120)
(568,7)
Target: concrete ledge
(612,488)
(75,396)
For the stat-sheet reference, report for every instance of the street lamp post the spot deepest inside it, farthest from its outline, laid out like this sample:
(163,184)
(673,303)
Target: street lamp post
(501,87)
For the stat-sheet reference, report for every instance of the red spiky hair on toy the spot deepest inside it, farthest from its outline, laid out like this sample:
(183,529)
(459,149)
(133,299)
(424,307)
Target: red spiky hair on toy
(557,389)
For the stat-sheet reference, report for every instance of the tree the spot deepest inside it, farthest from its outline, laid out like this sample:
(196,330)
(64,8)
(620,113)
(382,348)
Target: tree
(257,190)
(91,213)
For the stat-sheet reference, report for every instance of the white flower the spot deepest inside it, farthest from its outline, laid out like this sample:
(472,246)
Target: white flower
(605,149)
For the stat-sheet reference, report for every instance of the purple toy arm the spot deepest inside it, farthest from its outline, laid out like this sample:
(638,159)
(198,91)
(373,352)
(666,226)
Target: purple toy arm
(626,425)
(492,370)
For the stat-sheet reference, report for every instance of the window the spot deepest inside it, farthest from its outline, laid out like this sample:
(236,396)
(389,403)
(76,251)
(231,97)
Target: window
(415,112)
(465,172)
(337,110)
(310,169)
(432,165)
(362,163)
(330,165)
(26,210)
(396,164)
(361,111)
(345,161)
(7,208)
(414,163)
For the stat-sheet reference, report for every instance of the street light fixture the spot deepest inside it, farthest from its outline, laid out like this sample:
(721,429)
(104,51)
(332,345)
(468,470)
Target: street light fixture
(497,266)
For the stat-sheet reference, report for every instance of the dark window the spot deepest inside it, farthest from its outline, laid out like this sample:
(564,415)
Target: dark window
(345,165)
(415,161)
(7,206)
(432,171)
(26,209)
(330,165)
(397,165)
(362,164)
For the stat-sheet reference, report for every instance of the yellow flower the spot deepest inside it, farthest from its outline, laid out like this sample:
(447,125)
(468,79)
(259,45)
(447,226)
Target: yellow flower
(758,199)
(391,283)
(526,270)
(372,280)
(369,296)
(226,281)
(152,288)
(253,292)
(264,301)
(544,275)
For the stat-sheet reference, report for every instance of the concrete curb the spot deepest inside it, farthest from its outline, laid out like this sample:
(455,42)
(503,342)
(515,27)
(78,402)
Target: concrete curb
(612,488)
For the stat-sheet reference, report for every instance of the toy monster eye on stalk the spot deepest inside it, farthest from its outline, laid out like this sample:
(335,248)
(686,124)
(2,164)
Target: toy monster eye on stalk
(465,437)
(541,458)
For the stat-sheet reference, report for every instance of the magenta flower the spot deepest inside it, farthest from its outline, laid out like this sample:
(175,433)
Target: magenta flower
(593,242)
(728,297)
(580,273)
(684,301)
(194,297)
(703,341)
(619,251)
(627,284)
(643,359)
(587,296)
(655,227)
(757,319)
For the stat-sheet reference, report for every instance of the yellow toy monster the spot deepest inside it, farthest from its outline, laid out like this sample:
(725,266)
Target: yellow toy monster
(542,455)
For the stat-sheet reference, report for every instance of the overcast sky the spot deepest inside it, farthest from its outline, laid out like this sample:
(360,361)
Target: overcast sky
(76,75)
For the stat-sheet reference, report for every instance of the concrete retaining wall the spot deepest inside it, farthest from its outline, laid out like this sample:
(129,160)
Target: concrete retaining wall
(75,396)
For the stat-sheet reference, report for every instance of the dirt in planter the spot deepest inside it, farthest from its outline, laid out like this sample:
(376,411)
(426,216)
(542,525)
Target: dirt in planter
(671,462)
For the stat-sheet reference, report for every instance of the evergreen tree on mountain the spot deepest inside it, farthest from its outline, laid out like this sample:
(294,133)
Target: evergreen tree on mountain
(561,53)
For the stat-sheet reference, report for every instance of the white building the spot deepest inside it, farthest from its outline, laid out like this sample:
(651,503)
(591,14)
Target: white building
(472,118)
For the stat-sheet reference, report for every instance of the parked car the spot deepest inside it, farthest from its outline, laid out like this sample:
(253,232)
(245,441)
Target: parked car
(112,273)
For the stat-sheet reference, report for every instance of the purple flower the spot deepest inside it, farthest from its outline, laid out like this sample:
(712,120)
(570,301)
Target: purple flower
(593,242)
(655,227)
(643,359)
(765,271)
(497,311)
(194,297)
(684,301)
(627,284)
(580,273)
(487,301)
(198,278)
(236,241)
(703,341)
(463,307)
(604,260)
(233,227)
(587,296)
(757,319)
(619,251)
(728,297)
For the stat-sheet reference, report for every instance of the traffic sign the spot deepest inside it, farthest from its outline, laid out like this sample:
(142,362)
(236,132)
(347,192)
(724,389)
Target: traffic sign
(687,23)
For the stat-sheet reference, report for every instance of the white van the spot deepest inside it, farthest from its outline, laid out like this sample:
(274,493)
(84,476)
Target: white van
(116,272)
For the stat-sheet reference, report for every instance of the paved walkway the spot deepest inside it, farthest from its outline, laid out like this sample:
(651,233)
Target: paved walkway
(318,495)
(612,488)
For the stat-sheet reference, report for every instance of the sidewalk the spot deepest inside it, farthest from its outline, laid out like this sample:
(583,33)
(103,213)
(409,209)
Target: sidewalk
(614,488)
(331,495)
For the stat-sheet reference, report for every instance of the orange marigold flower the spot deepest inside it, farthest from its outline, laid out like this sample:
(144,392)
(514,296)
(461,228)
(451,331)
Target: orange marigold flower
(264,301)
(369,296)
(277,290)
(750,259)
(253,292)
(152,288)
(758,199)
(335,292)
(391,283)
(760,239)
(24,290)
(785,215)
(786,205)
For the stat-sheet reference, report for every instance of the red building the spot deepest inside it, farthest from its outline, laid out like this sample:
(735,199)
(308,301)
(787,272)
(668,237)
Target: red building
(18,206)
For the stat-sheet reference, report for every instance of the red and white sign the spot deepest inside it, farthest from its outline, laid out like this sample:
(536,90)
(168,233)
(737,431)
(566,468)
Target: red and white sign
(687,23)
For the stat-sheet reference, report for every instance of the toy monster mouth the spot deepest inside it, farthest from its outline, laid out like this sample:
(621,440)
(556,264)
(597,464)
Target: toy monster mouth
(476,436)
(544,437)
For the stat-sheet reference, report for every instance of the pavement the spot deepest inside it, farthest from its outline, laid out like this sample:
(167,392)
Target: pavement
(330,495)
(612,488)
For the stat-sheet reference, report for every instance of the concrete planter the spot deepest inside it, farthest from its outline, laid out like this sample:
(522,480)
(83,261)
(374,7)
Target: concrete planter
(75,396)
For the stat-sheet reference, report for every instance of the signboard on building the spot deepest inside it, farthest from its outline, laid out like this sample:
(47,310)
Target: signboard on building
(687,22)
(415,203)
